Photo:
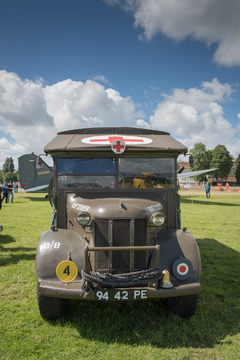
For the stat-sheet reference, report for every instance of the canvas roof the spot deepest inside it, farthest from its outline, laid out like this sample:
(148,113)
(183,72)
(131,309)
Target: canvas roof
(78,140)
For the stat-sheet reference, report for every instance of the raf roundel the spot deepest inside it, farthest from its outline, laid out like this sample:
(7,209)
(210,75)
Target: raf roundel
(182,268)
(118,146)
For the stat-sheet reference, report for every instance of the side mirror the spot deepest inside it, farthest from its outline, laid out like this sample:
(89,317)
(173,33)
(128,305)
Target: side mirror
(191,161)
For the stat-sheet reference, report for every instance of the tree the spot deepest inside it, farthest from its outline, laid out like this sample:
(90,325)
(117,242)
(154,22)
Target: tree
(8,173)
(202,159)
(238,169)
(8,165)
(223,160)
(1,176)
(9,176)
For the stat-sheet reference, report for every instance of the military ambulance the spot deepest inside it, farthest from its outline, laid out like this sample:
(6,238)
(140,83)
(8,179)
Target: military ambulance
(115,233)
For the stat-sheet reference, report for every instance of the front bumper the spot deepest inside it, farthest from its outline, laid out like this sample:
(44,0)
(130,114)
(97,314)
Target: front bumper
(78,289)
(74,290)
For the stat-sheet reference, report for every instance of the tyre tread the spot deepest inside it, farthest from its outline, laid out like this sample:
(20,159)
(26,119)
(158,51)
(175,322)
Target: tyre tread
(51,308)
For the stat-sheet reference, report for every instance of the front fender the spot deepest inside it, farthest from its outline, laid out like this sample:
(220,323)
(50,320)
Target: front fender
(190,249)
(56,246)
(177,244)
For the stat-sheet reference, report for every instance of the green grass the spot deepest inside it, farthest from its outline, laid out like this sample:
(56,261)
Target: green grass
(123,331)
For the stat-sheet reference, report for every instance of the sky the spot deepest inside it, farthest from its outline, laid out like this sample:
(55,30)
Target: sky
(167,65)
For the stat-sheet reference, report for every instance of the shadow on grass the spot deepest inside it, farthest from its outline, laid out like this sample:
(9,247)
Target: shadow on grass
(217,315)
(12,255)
(190,200)
(6,239)
(32,198)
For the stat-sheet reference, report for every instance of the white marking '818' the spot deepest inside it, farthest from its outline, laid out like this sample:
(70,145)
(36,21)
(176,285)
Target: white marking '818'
(50,245)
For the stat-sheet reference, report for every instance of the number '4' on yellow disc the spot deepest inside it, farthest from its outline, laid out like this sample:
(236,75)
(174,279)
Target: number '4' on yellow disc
(67,271)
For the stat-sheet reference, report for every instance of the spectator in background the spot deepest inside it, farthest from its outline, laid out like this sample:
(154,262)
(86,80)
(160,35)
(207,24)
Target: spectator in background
(10,191)
(15,187)
(207,190)
(5,191)
(227,187)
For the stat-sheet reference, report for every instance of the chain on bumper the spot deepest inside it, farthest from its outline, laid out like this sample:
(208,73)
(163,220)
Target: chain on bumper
(137,278)
(108,280)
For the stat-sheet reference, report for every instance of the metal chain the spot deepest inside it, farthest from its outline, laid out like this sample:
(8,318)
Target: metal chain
(121,280)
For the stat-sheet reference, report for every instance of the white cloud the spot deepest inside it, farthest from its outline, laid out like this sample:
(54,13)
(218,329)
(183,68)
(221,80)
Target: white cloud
(23,116)
(211,21)
(143,124)
(31,113)
(21,101)
(75,104)
(100,78)
(196,115)
(7,149)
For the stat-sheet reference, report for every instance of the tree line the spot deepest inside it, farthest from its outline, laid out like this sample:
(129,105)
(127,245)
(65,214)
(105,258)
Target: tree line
(219,158)
(8,172)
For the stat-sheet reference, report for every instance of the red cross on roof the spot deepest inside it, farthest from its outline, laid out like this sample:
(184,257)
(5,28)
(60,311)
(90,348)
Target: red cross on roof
(118,146)
(111,139)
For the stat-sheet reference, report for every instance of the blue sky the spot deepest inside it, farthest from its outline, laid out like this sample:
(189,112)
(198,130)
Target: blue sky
(65,64)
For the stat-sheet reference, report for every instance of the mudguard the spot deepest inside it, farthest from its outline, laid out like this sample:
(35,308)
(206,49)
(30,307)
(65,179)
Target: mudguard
(174,245)
(55,247)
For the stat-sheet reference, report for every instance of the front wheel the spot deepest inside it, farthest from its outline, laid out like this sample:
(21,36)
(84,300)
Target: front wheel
(51,308)
(184,306)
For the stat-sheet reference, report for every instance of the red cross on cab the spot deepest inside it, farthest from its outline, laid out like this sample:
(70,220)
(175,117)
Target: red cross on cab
(118,146)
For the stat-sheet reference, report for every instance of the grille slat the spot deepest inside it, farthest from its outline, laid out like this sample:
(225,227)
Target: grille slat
(121,237)
(140,230)
(101,239)
(121,230)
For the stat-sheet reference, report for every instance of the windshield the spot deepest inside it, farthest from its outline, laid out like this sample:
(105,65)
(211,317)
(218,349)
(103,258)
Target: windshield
(97,166)
(91,173)
(110,173)
(146,173)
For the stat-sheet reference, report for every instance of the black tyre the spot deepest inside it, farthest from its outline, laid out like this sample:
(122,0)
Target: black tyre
(184,306)
(51,308)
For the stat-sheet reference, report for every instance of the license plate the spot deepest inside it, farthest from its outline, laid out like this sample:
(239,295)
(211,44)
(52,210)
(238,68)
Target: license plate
(121,295)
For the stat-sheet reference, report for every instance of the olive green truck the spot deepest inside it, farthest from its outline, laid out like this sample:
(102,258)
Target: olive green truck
(116,233)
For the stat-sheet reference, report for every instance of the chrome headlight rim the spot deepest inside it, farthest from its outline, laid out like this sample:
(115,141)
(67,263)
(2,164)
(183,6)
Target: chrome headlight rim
(85,220)
(157,219)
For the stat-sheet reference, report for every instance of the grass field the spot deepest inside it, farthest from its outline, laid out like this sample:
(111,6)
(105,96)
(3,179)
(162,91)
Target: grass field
(123,331)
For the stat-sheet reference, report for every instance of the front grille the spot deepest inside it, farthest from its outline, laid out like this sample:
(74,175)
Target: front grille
(120,232)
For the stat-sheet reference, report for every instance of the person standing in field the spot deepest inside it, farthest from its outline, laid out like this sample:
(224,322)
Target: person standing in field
(10,191)
(5,191)
(207,190)
(227,187)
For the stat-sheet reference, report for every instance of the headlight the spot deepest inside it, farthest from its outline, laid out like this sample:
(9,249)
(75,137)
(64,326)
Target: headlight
(84,219)
(157,219)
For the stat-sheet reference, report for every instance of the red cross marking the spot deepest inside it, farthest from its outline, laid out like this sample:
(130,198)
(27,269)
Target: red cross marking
(118,146)
(111,139)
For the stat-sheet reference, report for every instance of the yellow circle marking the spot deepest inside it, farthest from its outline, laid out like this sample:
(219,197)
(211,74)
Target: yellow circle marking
(67,271)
